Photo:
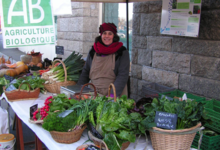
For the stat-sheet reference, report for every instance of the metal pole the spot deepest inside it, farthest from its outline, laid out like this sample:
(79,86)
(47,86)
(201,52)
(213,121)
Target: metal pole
(127,20)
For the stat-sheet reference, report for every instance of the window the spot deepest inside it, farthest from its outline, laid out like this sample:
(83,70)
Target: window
(116,13)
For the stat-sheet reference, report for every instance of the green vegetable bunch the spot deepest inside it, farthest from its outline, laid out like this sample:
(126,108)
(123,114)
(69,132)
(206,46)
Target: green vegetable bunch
(3,82)
(51,104)
(112,121)
(34,81)
(77,118)
(125,102)
(189,112)
(55,123)
(74,65)
(61,102)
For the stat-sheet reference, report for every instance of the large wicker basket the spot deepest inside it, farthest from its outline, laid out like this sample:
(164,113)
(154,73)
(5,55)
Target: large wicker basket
(20,94)
(67,137)
(173,139)
(55,87)
(100,142)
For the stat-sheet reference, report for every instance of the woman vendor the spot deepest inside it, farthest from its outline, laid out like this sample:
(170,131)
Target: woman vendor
(107,62)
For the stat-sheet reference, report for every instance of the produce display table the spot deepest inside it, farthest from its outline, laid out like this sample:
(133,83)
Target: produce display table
(21,108)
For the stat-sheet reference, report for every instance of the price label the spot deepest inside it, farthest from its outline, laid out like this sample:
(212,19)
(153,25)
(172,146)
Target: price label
(33,109)
(59,50)
(165,120)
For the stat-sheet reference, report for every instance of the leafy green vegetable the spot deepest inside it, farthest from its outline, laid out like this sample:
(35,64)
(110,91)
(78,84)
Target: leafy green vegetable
(34,81)
(125,102)
(54,123)
(189,112)
(3,81)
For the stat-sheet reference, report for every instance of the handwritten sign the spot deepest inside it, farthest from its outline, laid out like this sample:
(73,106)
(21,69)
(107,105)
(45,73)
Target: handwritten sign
(60,50)
(165,120)
(33,109)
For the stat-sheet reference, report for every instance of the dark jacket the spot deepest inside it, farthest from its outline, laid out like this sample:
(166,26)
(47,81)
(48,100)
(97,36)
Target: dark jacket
(122,65)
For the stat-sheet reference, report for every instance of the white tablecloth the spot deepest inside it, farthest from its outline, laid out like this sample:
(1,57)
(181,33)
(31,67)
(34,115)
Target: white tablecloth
(22,109)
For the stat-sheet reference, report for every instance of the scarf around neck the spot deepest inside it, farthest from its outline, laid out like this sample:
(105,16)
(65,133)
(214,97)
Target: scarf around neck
(102,49)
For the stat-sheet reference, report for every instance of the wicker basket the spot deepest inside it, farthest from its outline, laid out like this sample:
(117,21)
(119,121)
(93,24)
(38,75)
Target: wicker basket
(78,96)
(67,137)
(36,59)
(55,87)
(111,86)
(20,94)
(173,139)
(100,143)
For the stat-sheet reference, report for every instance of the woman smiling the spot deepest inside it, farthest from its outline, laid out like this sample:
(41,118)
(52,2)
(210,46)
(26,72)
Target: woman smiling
(107,62)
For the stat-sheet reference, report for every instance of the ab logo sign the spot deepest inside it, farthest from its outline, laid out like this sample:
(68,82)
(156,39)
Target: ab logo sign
(27,23)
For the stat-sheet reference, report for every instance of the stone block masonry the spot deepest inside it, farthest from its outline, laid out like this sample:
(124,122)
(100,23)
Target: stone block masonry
(185,63)
(77,32)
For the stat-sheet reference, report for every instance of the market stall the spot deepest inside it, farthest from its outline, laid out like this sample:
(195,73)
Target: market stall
(22,110)
(65,118)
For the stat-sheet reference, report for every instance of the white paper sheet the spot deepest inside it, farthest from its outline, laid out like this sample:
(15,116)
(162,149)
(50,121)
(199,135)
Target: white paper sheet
(61,7)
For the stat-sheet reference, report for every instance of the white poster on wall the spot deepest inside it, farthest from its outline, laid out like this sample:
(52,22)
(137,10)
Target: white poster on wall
(181,17)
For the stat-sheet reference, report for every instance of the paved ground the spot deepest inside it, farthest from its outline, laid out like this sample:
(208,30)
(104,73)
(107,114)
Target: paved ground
(27,133)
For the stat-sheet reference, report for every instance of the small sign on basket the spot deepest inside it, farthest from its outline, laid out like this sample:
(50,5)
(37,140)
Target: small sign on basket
(165,120)
(33,109)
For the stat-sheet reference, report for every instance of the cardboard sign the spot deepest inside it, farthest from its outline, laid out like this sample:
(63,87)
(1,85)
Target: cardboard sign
(165,120)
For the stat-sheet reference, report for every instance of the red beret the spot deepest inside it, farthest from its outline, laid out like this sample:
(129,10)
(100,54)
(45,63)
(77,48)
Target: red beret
(108,27)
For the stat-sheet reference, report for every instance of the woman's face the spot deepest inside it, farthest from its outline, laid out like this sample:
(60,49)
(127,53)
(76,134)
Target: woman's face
(107,37)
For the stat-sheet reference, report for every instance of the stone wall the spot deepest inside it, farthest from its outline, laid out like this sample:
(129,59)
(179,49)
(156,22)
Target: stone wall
(77,32)
(185,63)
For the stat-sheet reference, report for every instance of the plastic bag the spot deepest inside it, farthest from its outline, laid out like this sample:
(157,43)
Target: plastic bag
(4,126)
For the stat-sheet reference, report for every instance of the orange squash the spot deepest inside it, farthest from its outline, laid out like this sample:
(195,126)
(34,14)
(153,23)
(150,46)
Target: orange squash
(20,69)
(20,63)
(11,65)
(8,61)
(2,60)
(11,72)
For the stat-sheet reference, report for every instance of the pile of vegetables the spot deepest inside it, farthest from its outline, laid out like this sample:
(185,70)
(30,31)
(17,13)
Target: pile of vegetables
(115,124)
(14,69)
(59,102)
(74,64)
(34,81)
(115,121)
(189,112)
(73,121)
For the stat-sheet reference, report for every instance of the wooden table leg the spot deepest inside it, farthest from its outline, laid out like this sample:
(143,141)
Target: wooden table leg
(19,133)
(38,143)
